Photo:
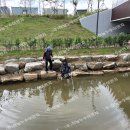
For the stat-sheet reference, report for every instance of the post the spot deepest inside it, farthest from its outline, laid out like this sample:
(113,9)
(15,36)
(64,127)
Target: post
(64,8)
(97,25)
(39,4)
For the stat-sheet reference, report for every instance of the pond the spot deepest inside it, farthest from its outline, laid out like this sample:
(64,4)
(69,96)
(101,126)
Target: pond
(92,103)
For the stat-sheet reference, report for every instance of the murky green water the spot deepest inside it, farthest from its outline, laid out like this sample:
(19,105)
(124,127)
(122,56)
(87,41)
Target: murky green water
(80,104)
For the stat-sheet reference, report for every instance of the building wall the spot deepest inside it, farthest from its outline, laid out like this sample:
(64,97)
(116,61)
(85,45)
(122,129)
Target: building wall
(20,10)
(122,11)
(4,10)
(106,26)
(50,11)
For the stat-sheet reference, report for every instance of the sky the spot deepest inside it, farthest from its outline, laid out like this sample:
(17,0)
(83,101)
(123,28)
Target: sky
(81,5)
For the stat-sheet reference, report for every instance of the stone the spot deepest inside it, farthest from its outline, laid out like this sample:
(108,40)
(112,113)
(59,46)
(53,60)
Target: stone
(99,58)
(40,59)
(122,55)
(28,60)
(94,73)
(30,76)
(73,58)
(109,66)
(11,78)
(123,64)
(61,58)
(11,67)
(82,73)
(95,66)
(86,58)
(126,57)
(11,60)
(122,70)
(2,70)
(57,65)
(82,67)
(22,65)
(109,71)
(48,75)
(72,67)
(34,66)
(112,57)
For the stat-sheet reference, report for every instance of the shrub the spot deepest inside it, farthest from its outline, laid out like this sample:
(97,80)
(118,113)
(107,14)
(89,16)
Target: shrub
(121,39)
(108,41)
(8,45)
(32,43)
(77,40)
(68,42)
(55,42)
(55,16)
(17,43)
(44,43)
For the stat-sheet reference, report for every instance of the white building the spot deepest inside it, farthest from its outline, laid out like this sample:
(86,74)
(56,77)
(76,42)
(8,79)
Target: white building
(57,11)
(23,10)
(4,10)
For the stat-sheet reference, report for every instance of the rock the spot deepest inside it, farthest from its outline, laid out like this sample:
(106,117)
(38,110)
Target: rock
(48,75)
(94,73)
(57,64)
(82,67)
(86,58)
(99,58)
(123,64)
(2,70)
(122,70)
(22,65)
(110,66)
(126,57)
(11,67)
(79,73)
(72,67)
(34,66)
(40,59)
(82,73)
(95,66)
(109,71)
(61,58)
(112,57)
(122,55)
(11,60)
(28,60)
(30,76)
(11,78)
(73,59)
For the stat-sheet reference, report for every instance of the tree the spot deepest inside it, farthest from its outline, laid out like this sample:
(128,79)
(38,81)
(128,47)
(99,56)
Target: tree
(44,3)
(90,5)
(24,3)
(27,3)
(103,5)
(0,3)
(30,2)
(55,4)
(75,3)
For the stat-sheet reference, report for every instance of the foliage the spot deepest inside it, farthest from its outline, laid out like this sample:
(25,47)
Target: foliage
(17,43)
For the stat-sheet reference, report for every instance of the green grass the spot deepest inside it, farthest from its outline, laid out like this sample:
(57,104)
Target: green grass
(74,52)
(32,26)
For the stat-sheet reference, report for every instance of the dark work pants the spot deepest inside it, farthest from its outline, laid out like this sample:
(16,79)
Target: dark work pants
(50,61)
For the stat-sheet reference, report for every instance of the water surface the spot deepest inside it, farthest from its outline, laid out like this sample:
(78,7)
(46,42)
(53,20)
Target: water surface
(67,105)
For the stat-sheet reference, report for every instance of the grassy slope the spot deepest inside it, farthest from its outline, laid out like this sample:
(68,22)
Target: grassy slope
(75,52)
(32,26)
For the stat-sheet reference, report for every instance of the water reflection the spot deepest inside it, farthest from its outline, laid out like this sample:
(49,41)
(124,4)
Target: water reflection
(19,100)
